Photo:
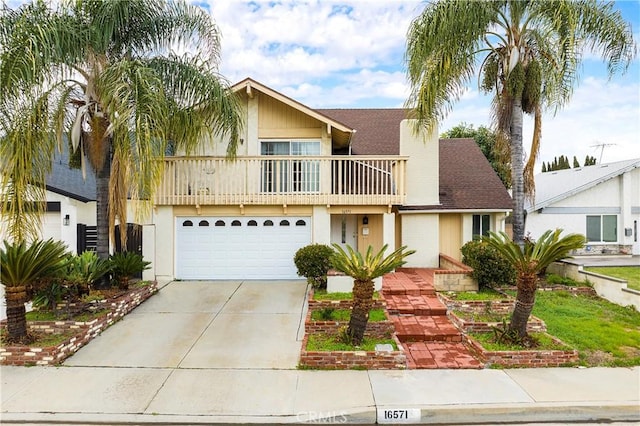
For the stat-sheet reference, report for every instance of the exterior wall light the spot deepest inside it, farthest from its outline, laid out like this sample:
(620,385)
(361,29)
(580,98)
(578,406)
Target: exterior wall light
(66,220)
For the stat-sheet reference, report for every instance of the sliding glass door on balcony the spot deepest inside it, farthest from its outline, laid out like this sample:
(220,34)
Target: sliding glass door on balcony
(290,174)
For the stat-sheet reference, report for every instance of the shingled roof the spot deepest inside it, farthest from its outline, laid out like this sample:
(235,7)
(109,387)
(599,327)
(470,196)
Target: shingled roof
(377,130)
(467,180)
(66,181)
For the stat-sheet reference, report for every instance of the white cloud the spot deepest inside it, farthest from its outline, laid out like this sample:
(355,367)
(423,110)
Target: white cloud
(350,54)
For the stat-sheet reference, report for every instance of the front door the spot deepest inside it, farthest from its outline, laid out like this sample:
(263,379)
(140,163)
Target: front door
(344,230)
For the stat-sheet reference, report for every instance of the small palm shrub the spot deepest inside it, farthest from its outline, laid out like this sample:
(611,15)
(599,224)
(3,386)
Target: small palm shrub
(87,268)
(490,268)
(313,262)
(23,267)
(125,265)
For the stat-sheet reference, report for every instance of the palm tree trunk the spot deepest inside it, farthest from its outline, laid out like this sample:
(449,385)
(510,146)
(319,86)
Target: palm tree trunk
(362,302)
(16,319)
(525,299)
(102,216)
(517,171)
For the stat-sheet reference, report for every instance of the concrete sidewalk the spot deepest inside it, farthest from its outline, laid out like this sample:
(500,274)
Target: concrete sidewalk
(226,352)
(117,395)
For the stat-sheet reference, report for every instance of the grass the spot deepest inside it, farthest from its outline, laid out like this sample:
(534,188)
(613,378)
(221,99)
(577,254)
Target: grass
(329,314)
(545,342)
(558,280)
(629,273)
(604,333)
(51,316)
(482,316)
(482,294)
(328,342)
(323,295)
(43,340)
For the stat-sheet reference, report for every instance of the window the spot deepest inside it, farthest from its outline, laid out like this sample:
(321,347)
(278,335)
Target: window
(187,223)
(268,223)
(602,228)
(219,222)
(481,225)
(252,223)
(236,223)
(203,223)
(284,223)
(301,223)
(292,175)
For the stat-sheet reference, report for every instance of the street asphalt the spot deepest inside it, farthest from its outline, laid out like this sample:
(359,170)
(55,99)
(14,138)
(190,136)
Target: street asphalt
(226,352)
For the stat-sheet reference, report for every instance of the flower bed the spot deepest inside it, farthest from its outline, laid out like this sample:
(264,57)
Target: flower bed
(524,358)
(343,360)
(87,330)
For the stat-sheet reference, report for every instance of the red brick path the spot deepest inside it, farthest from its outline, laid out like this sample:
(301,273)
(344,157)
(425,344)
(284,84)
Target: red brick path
(421,323)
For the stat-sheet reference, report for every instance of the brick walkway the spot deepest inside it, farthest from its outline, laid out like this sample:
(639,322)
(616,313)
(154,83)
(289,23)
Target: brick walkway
(421,323)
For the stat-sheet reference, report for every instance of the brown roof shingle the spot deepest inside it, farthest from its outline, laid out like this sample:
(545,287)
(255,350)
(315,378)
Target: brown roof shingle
(377,130)
(467,180)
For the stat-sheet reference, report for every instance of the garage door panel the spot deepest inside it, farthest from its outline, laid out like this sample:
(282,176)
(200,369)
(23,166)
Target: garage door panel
(258,248)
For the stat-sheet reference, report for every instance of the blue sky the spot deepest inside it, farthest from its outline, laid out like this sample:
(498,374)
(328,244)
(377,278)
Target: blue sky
(349,54)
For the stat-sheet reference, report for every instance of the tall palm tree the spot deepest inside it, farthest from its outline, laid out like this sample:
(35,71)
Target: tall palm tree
(364,270)
(527,53)
(22,265)
(105,74)
(529,261)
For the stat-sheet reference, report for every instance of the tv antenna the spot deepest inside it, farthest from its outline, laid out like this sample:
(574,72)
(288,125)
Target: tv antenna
(602,146)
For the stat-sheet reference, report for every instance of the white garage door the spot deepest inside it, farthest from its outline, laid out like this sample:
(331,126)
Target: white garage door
(239,247)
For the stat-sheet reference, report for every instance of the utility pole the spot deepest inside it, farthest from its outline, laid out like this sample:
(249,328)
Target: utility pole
(602,147)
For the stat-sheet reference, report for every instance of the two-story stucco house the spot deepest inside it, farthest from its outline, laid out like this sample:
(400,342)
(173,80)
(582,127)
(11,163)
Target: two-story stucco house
(302,175)
(601,202)
(348,176)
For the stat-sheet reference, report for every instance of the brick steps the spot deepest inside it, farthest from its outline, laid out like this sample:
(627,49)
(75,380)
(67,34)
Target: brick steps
(425,328)
(415,305)
(431,355)
(430,339)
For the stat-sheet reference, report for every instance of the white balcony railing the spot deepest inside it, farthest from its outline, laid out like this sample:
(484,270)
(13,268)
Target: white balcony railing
(283,180)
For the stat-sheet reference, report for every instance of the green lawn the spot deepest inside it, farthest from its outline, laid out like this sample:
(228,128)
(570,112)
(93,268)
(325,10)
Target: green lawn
(482,294)
(327,342)
(629,273)
(604,333)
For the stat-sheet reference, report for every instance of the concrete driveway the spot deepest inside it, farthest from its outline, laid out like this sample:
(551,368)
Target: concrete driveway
(207,324)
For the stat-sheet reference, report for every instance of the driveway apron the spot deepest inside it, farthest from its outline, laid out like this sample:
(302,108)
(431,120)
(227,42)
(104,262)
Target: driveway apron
(206,324)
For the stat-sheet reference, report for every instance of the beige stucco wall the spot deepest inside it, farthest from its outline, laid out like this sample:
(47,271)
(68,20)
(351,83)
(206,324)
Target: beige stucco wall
(420,233)
(164,240)
(423,165)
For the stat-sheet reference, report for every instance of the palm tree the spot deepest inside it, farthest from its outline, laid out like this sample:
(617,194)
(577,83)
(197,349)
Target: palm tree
(104,73)
(20,267)
(364,270)
(528,55)
(529,261)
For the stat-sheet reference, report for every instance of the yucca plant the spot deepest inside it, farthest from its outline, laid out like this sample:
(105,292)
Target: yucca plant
(22,265)
(125,265)
(529,261)
(363,270)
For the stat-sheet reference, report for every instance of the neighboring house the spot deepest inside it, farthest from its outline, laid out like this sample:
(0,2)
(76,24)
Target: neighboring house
(302,175)
(601,202)
(348,176)
(70,206)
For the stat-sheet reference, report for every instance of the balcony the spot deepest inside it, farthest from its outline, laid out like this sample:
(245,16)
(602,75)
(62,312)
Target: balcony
(291,180)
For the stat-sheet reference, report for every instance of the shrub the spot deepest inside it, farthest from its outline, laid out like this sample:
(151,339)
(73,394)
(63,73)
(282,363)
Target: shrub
(125,265)
(313,262)
(490,269)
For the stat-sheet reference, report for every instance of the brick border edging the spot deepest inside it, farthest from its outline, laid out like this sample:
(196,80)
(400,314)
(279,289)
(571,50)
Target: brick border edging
(524,358)
(344,360)
(534,324)
(23,355)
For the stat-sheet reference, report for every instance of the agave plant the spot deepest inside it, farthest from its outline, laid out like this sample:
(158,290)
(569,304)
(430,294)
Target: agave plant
(363,270)
(529,261)
(125,265)
(22,265)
